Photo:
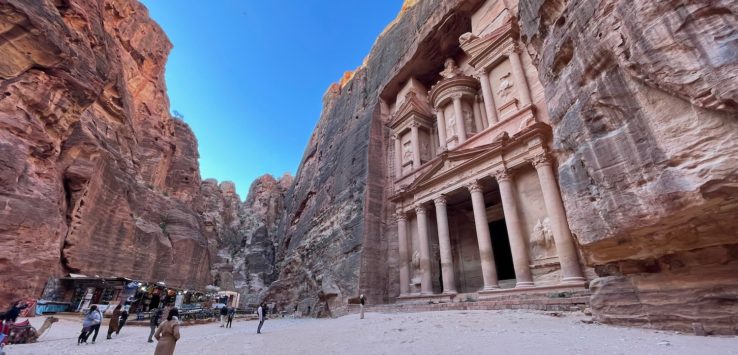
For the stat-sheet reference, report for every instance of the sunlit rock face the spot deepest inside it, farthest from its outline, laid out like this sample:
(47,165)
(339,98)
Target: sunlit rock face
(331,240)
(95,176)
(644,100)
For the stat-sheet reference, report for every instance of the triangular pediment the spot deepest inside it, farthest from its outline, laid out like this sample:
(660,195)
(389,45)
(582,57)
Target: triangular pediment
(479,48)
(412,106)
(451,162)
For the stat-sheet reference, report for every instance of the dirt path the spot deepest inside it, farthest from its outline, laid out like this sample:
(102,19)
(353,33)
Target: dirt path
(459,332)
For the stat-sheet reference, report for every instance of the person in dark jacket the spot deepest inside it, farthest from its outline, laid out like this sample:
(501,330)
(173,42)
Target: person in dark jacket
(122,322)
(154,323)
(12,314)
(223,315)
(362,301)
(231,314)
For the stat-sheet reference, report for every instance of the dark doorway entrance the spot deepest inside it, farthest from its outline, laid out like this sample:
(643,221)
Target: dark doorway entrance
(501,250)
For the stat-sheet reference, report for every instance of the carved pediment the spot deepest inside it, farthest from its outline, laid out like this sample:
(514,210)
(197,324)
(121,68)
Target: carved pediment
(413,106)
(452,163)
(487,49)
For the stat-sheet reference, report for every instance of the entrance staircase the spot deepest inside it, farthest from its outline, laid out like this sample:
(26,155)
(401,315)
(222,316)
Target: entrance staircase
(561,299)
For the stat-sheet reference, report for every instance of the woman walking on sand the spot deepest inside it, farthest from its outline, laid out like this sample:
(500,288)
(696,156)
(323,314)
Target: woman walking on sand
(113,326)
(167,334)
(90,321)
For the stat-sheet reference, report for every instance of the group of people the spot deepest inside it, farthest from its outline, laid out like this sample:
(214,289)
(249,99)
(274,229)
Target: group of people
(93,319)
(226,316)
(166,333)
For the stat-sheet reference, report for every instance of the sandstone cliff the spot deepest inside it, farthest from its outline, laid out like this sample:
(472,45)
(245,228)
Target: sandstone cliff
(244,233)
(331,245)
(95,176)
(644,98)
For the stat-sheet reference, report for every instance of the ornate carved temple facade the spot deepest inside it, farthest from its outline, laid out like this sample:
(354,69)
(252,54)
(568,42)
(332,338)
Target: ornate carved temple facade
(477,208)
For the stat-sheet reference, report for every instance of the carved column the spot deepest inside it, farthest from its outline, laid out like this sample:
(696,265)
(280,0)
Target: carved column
(489,270)
(571,271)
(482,111)
(416,144)
(519,76)
(489,100)
(398,156)
(444,244)
(441,122)
(459,113)
(514,230)
(477,116)
(403,249)
(426,287)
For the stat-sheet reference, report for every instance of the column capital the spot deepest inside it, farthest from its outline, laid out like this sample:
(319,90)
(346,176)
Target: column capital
(503,175)
(440,200)
(420,209)
(541,160)
(395,136)
(457,96)
(480,73)
(415,124)
(400,215)
(474,187)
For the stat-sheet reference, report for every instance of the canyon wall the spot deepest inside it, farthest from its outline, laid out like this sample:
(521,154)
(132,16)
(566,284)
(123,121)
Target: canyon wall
(95,176)
(332,244)
(643,96)
(243,233)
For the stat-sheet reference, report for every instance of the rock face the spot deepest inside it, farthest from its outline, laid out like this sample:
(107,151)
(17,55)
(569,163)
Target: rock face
(332,245)
(644,99)
(243,233)
(95,176)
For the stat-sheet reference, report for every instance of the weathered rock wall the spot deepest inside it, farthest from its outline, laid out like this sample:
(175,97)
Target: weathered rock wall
(243,233)
(333,244)
(644,100)
(95,176)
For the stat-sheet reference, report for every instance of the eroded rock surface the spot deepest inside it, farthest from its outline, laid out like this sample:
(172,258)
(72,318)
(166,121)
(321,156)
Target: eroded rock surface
(643,96)
(95,176)
(244,233)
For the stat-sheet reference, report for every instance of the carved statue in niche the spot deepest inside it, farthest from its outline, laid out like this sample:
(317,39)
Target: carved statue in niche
(407,152)
(505,89)
(451,70)
(468,119)
(415,263)
(424,150)
(451,124)
(542,239)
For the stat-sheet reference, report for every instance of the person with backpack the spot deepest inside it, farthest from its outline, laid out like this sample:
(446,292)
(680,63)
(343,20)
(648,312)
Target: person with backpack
(154,322)
(92,318)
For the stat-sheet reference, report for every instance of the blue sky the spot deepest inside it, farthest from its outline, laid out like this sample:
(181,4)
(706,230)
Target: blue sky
(249,75)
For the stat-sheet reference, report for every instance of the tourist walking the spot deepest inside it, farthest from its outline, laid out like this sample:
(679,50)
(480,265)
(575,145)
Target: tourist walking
(154,322)
(262,317)
(96,327)
(123,319)
(223,315)
(92,318)
(362,301)
(231,314)
(167,334)
(114,318)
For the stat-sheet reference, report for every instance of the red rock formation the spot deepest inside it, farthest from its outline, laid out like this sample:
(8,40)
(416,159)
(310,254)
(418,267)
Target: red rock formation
(95,177)
(643,96)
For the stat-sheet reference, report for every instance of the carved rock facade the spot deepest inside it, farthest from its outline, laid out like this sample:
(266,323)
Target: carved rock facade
(644,99)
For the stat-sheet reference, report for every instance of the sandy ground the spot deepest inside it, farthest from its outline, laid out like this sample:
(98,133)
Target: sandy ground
(459,332)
